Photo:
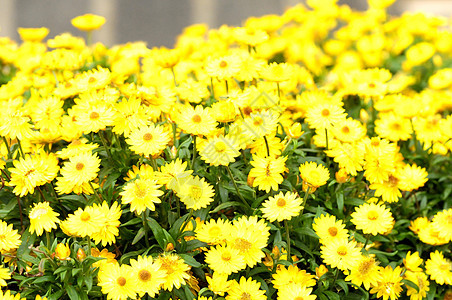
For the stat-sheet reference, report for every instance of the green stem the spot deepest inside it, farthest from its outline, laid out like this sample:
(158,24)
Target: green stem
(176,141)
(305,198)
(57,83)
(237,190)
(335,277)
(326,139)
(190,214)
(153,163)
(194,152)
(88,240)
(104,143)
(286,224)
(413,134)
(7,147)
(89,38)
(95,192)
(212,92)
(279,92)
(20,149)
(48,240)
(145,227)
(266,145)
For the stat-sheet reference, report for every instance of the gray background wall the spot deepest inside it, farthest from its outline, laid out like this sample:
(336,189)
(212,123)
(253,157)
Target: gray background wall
(158,22)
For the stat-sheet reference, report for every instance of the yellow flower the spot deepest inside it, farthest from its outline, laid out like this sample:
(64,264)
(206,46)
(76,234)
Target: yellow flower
(373,218)
(282,207)
(366,272)
(246,289)
(218,283)
(219,150)
(421,280)
(148,140)
(328,229)
(214,231)
(62,251)
(4,274)
(225,259)
(117,281)
(341,254)
(33,34)
(42,217)
(196,193)
(390,284)
(439,268)
(88,22)
(141,194)
(149,275)
(176,269)
(442,222)
(107,232)
(413,261)
(313,174)
(267,172)
(84,222)
(291,276)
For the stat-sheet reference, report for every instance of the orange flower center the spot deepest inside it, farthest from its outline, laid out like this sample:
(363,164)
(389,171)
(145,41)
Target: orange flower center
(220,146)
(79,166)
(226,256)
(258,121)
(147,137)
(76,143)
(325,112)
(245,296)
(281,202)
(396,126)
(121,281)
(92,80)
(365,266)
(29,172)
(196,119)
(94,116)
(345,129)
(85,216)
(372,215)
(332,231)
(144,275)
(342,251)
(214,231)
(223,64)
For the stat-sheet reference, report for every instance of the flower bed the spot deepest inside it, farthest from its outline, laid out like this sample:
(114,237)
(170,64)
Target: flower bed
(300,156)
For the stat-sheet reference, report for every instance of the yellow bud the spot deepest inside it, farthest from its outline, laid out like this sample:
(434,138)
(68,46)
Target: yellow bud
(81,255)
(294,132)
(320,271)
(342,176)
(169,247)
(364,115)
(250,180)
(28,269)
(276,251)
(305,187)
(62,251)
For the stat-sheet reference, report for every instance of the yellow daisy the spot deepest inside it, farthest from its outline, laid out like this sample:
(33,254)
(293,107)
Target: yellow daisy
(282,207)
(42,217)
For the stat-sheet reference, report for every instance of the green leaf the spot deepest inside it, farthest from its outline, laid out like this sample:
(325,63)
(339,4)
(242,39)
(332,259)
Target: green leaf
(71,292)
(410,284)
(131,222)
(125,258)
(226,205)
(332,295)
(139,236)
(189,260)
(89,282)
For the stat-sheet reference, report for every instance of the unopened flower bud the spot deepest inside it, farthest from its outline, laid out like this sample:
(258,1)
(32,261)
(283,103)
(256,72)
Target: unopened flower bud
(62,251)
(320,271)
(81,255)
(294,131)
(342,176)
(169,247)
(250,180)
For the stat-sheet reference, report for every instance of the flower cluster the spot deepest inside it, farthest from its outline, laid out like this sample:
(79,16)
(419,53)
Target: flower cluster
(293,157)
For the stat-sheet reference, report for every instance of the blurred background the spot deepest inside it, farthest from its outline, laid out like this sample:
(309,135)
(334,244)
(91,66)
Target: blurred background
(159,22)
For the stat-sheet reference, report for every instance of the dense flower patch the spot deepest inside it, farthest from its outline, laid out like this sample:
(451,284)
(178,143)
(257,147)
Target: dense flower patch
(300,156)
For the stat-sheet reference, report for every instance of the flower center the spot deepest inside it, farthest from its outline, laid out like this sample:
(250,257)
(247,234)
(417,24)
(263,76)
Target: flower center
(245,296)
(325,112)
(396,126)
(342,251)
(281,202)
(79,166)
(144,275)
(195,192)
(196,119)
(345,130)
(242,244)
(332,231)
(94,116)
(214,231)
(449,219)
(365,266)
(226,256)
(258,121)
(220,146)
(121,281)
(29,172)
(140,192)
(92,80)
(223,64)
(76,143)
(147,137)
(444,267)
(372,215)
(85,216)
